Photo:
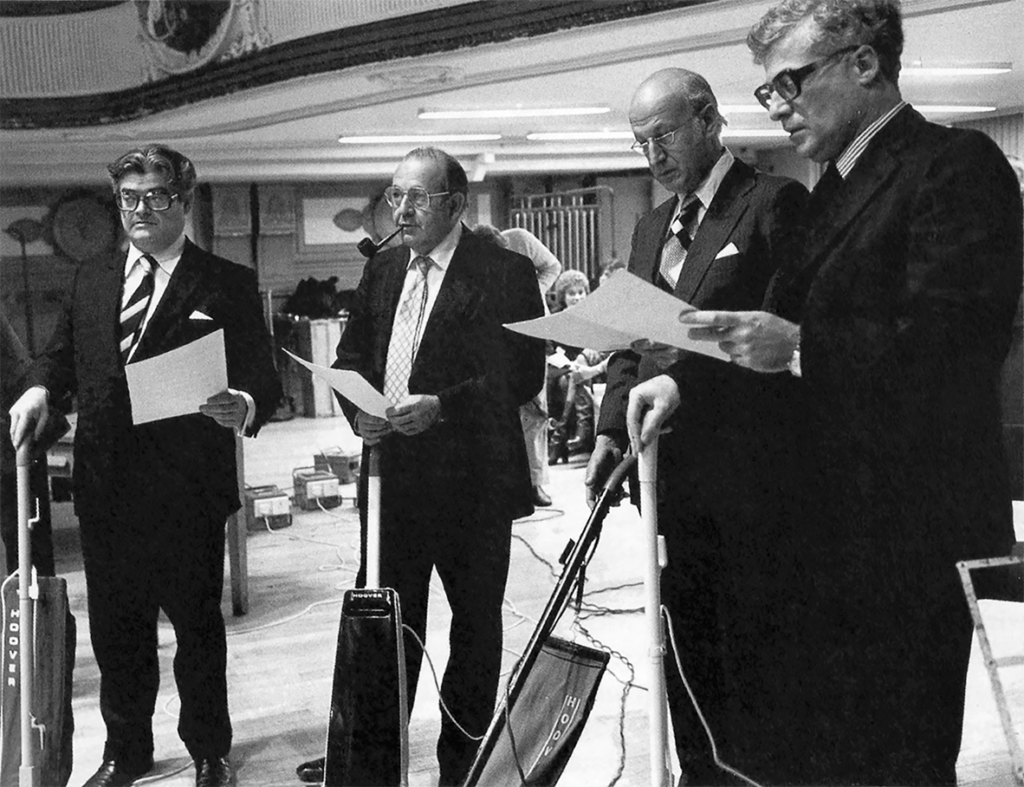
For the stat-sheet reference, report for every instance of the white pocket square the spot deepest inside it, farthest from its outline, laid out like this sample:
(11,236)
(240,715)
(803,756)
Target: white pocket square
(198,315)
(728,251)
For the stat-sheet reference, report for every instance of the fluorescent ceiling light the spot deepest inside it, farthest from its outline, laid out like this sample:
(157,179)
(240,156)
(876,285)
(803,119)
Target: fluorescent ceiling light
(416,138)
(590,136)
(950,109)
(981,69)
(576,136)
(754,132)
(473,114)
(742,109)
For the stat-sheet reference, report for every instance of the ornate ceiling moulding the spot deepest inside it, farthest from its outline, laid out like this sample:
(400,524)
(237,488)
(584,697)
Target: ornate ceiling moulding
(431,32)
(16,8)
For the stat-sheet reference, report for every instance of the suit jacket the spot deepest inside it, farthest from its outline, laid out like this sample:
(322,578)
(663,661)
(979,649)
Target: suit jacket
(479,370)
(189,457)
(728,415)
(906,295)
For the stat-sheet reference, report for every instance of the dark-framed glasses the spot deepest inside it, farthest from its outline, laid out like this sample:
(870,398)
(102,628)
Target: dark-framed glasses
(418,198)
(664,141)
(787,84)
(158,200)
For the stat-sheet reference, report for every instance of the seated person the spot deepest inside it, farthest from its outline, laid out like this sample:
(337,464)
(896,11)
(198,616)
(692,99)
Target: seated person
(571,371)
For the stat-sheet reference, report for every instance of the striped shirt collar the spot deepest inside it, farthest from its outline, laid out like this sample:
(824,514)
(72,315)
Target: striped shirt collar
(854,150)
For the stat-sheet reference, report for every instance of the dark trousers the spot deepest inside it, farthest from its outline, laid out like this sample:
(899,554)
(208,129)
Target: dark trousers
(469,547)
(136,564)
(41,537)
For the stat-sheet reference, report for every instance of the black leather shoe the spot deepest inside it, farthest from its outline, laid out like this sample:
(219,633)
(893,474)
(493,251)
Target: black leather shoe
(214,772)
(312,771)
(114,773)
(540,497)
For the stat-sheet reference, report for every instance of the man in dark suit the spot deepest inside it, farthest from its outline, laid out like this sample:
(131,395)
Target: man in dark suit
(426,328)
(152,499)
(896,318)
(714,244)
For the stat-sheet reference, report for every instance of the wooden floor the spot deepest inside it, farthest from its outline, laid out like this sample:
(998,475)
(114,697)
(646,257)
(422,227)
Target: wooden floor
(281,653)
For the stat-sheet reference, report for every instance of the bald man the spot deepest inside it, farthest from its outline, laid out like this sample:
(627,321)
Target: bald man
(717,240)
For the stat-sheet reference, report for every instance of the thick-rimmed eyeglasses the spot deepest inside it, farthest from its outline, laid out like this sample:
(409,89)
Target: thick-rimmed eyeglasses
(787,84)
(664,141)
(158,200)
(418,198)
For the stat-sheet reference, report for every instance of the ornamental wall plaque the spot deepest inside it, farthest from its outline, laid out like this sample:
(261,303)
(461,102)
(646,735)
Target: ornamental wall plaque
(83,226)
(178,36)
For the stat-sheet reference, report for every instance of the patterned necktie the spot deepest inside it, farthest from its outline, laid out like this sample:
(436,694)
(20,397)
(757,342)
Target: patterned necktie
(133,313)
(405,334)
(674,254)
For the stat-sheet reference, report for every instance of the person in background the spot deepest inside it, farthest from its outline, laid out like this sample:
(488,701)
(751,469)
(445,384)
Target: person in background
(426,328)
(725,470)
(570,370)
(894,321)
(152,498)
(534,414)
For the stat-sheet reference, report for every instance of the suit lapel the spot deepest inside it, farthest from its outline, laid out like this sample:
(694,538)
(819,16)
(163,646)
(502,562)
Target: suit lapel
(652,239)
(169,313)
(726,209)
(874,170)
(451,298)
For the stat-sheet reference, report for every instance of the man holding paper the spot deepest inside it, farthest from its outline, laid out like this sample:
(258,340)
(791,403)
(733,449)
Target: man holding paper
(426,329)
(152,498)
(894,319)
(714,244)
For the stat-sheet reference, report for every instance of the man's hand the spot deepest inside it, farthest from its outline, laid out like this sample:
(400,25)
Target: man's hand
(757,340)
(663,355)
(650,405)
(604,458)
(29,415)
(228,408)
(371,428)
(415,414)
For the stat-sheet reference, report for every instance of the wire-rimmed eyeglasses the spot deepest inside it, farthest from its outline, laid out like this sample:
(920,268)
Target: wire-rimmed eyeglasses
(789,82)
(158,200)
(664,141)
(418,198)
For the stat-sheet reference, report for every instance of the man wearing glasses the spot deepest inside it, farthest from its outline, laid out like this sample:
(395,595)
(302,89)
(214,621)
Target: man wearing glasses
(715,243)
(152,499)
(895,319)
(426,329)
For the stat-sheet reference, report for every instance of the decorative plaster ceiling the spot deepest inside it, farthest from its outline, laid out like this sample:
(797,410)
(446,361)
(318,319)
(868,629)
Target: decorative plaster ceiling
(288,129)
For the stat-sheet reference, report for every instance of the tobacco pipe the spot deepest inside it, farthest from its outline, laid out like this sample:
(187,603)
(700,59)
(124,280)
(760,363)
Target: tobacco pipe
(368,248)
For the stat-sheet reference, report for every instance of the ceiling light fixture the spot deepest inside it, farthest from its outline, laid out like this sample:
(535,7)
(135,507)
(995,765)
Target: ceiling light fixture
(476,114)
(576,136)
(417,138)
(950,109)
(592,136)
(917,68)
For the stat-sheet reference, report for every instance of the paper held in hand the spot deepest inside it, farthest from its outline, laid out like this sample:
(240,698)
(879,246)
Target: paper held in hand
(621,311)
(352,385)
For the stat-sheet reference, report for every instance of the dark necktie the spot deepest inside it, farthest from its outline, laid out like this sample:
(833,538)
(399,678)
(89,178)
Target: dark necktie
(134,312)
(674,253)
(405,335)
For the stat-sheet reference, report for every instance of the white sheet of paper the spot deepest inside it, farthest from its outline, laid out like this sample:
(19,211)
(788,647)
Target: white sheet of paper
(621,311)
(177,382)
(352,385)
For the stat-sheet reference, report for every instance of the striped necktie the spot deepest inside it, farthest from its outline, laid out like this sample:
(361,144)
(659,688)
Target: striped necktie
(674,254)
(133,313)
(406,333)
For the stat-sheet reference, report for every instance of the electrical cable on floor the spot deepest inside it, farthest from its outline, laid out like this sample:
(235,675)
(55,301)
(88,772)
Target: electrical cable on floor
(696,706)
(437,685)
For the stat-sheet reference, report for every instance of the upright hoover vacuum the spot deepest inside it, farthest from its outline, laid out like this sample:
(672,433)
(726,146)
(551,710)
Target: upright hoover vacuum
(368,731)
(36,723)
